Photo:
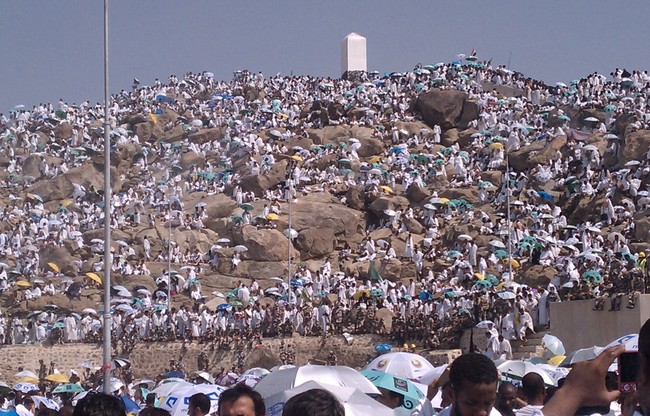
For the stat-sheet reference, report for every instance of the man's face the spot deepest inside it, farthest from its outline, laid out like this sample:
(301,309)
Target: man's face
(506,398)
(243,406)
(474,399)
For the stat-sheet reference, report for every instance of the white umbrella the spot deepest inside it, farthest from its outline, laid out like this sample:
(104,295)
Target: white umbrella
(591,119)
(49,403)
(144,292)
(223,240)
(26,373)
(464,237)
(205,376)
(390,212)
(178,401)
(516,370)
(585,354)
(289,378)
(164,389)
(556,373)
(497,244)
(25,387)
(630,341)
(277,279)
(553,344)
(633,163)
(401,364)
(89,311)
(507,295)
(484,324)
(290,233)
(355,402)
(241,248)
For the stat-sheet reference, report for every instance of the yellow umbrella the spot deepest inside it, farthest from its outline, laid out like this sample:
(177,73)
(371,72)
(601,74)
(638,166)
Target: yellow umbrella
(515,263)
(27,380)
(66,203)
(386,188)
(283,115)
(57,378)
(95,277)
(496,145)
(557,360)
(479,276)
(296,157)
(23,283)
(54,267)
(443,200)
(273,217)
(361,293)
(375,159)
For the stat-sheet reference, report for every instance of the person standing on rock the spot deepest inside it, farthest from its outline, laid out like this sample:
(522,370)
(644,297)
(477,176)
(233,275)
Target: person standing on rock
(70,326)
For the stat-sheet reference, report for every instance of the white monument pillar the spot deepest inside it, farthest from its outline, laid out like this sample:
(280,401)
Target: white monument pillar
(353,54)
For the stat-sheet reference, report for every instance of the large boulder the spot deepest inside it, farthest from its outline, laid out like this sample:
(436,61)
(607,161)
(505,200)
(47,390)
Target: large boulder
(30,166)
(370,147)
(63,131)
(444,108)
(315,242)
(355,198)
(642,229)
(413,226)
(383,203)
(144,131)
(263,244)
(450,137)
(539,152)
(323,211)
(260,183)
(636,146)
(61,186)
(417,194)
(59,256)
(191,159)
(207,135)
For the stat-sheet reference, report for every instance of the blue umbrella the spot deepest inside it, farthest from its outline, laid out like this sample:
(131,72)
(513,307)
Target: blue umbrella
(173,374)
(223,307)
(545,195)
(130,405)
(383,347)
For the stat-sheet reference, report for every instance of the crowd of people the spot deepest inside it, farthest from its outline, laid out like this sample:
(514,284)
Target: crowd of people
(521,219)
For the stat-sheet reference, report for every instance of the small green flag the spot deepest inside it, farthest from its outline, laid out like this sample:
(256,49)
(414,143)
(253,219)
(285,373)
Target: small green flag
(373,273)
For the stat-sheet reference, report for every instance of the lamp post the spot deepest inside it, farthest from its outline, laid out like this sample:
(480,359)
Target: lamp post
(108,258)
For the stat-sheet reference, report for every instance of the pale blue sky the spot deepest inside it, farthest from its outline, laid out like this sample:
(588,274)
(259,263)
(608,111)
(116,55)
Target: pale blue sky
(53,49)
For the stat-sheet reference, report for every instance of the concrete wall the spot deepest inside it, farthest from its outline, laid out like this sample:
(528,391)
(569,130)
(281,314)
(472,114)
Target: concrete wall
(579,326)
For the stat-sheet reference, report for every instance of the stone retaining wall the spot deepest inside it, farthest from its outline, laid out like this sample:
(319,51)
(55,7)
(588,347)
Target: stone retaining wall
(149,359)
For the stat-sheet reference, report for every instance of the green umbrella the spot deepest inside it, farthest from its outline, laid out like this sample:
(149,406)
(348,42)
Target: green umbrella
(68,388)
(246,207)
(406,388)
(483,284)
(236,303)
(492,279)
(592,275)
(502,254)
(237,218)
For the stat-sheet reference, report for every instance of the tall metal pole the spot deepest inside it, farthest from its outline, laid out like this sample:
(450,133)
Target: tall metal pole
(169,262)
(508,214)
(289,233)
(108,260)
